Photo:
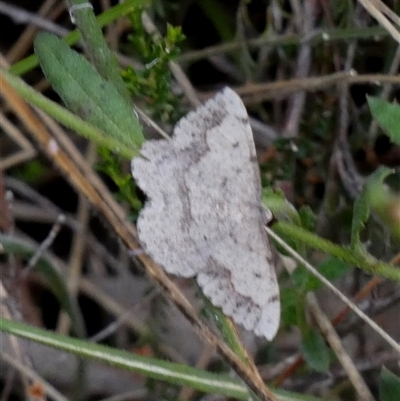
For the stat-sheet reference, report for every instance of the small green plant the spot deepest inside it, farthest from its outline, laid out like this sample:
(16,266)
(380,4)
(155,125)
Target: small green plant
(153,83)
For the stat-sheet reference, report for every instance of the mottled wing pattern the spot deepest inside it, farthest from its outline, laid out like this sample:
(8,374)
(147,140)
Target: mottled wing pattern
(204,216)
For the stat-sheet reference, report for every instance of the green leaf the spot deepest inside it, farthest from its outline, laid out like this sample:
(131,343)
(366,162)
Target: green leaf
(225,327)
(362,206)
(110,164)
(332,268)
(386,205)
(280,207)
(65,117)
(315,351)
(290,306)
(308,218)
(170,372)
(104,19)
(85,92)
(387,116)
(174,35)
(31,172)
(389,386)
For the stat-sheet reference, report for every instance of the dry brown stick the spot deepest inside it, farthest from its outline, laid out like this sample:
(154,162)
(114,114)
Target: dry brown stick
(367,289)
(45,244)
(28,151)
(281,89)
(20,302)
(6,220)
(22,16)
(74,167)
(335,343)
(112,306)
(367,364)
(25,40)
(345,166)
(15,134)
(32,375)
(337,157)
(9,310)
(187,392)
(303,64)
(378,10)
(299,361)
(122,315)
(78,248)
(47,212)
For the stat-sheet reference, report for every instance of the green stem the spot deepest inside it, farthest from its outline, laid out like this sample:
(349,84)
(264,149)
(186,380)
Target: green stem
(149,367)
(363,261)
(97,49)
(170,372)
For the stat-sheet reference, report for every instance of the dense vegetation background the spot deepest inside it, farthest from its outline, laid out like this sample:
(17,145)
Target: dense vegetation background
(304,70)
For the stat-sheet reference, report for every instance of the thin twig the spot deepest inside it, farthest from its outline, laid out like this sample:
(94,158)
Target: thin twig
(151,123)
(35,20)
(281,89)
(339,294)
(187,392)
(78,247)
(46,244)
(318,37)
(9,310)
(124,316)
(27,152)
(334,341)
(21,16)
(377,9)
(303,65)
(31,374)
